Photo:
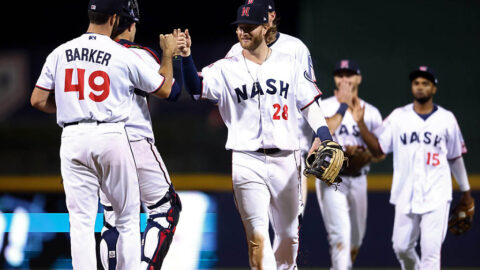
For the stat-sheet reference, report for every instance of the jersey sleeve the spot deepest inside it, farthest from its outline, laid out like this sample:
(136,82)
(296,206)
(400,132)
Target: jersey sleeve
(213,85)
(142,75)
(305,59)
(384,133)
(307,91)
(46,80)
(455,143)
(376,120)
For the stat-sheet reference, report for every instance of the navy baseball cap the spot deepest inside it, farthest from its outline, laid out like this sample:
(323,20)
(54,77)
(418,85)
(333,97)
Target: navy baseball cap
(346,65)
(424,72)
(270,4)
(108,7)
(252,14)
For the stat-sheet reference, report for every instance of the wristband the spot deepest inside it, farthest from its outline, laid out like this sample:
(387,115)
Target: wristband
(342,109)
(323,133)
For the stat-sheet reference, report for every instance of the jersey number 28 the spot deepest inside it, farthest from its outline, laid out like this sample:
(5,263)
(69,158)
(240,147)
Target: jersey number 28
(278,108)
(104,87)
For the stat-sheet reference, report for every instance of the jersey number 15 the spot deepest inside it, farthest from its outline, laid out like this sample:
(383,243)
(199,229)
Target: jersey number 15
(432,159)
(104,87)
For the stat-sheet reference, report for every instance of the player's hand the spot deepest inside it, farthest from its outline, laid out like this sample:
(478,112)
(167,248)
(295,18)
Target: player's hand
(358,111)
(168,43)
(181,42)
(315,145)
(186,51)
(344,93)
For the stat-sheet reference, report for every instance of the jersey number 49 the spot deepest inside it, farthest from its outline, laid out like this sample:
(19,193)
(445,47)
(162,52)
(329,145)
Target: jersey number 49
(104,87)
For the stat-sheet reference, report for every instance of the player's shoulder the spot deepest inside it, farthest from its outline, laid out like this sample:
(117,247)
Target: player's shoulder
(226,61)
(445,113)
(140,49)
(236,48)
(401,112)
(370,107)
(286,38)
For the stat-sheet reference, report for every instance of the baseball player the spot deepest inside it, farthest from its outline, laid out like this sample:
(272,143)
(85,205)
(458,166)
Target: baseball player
(427,146)
(89,83)
(296,48)
(344,211)
(259,91)
(161,202)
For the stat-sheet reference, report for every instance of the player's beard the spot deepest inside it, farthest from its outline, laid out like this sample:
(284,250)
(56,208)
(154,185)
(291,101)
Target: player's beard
(254,42)
(423,99)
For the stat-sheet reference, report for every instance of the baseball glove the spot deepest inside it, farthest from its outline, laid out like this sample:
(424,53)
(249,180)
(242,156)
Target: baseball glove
(326,162)
(461,217)
(358,157)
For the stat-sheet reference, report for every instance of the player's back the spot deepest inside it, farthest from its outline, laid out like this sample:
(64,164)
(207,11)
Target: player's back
(92,79)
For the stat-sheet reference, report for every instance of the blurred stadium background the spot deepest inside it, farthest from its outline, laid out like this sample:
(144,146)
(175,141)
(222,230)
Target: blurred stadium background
(387,39)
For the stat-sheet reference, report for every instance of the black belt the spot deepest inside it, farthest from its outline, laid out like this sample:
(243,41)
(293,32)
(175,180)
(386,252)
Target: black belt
(140,92)
(268,151)
(77,122)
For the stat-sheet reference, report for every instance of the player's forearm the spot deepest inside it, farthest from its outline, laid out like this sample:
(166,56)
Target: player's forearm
(43,100)
(193,83)
(178,75)
(457,166)
(314,116)
(335,121)
(166,70)
(370,140)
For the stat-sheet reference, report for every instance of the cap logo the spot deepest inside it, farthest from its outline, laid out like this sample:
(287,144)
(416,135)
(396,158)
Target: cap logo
(344,64)
(93,7)
(245,11)
(250,2)
(423,68)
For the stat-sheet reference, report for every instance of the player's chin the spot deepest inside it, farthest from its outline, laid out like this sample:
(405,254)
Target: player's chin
(246,43)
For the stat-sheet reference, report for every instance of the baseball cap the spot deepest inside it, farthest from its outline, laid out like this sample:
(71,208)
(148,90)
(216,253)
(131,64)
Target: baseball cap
(270,4)
(130,11)
(108,7)
(346,64)
(424,72)
(252,14)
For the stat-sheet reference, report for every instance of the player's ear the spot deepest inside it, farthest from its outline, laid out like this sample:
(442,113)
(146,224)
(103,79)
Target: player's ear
(359,79)
(434,89)
(112,20)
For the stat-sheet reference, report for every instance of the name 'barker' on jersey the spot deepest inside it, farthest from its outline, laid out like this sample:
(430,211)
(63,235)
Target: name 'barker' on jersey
(273,87)
(88,55)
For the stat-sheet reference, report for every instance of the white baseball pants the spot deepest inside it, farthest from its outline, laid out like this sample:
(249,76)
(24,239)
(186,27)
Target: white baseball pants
(268,186)
(430,227)
(344,213)
(98,157)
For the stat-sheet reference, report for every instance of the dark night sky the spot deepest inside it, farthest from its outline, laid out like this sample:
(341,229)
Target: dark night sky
(46,24)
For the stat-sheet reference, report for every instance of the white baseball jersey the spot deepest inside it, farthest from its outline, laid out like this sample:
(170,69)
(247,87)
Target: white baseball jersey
(139,124)
(296,48)
(348,132)
(259,103)
(79,71)
(421,149)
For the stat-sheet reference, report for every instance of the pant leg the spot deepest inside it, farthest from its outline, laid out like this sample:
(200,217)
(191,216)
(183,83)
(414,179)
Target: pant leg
(406,231)
(285,206)
(119,183)
(81,185)
(252,198)
(433,230)
(357,200)
(335,213)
